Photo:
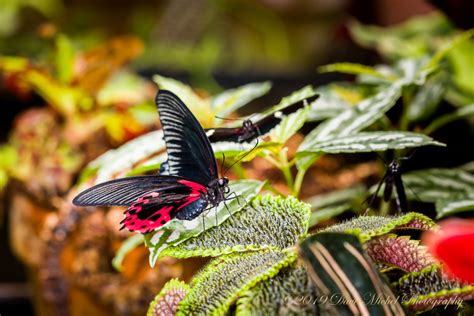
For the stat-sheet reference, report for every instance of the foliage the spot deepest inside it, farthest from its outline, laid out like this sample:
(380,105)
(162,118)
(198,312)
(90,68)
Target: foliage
(267,252)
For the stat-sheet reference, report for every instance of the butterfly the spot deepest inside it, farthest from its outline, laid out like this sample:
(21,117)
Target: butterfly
(191,186)
(250,130)
(393,180)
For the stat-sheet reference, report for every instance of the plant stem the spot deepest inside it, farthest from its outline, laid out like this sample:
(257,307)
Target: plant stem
(285,169)
(299,181)
(404,120)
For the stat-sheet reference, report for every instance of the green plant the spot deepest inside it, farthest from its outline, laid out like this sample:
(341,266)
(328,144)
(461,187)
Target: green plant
(267,254)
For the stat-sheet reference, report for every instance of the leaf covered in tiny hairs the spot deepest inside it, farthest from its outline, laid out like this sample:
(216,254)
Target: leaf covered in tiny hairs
(267,223)
(224,280)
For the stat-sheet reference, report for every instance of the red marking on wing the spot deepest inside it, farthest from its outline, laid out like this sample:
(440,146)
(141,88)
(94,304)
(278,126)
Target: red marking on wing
(161,216)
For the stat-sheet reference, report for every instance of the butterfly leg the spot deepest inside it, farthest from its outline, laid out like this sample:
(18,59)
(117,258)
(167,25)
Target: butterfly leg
(372,199)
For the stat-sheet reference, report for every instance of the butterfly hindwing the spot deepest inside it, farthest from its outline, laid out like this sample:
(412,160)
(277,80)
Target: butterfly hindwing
(190,153)
(185,200)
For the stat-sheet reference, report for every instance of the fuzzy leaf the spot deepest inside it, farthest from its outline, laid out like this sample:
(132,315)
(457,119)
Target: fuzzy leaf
(369,142)
(354,119)
(223,280)
(400,252)
(339,268)
(177,231)
(122,159)
(431,185)
(367,227)
(231,100)
(283,294)
(268,223)
(166,302)
(455,205)
(430,287)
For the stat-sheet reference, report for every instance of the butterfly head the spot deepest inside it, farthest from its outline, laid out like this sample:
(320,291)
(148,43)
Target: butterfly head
(394,167)
(223,183)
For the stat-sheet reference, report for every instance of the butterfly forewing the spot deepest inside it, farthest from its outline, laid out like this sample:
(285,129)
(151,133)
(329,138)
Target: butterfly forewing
(123,191)
(190,153)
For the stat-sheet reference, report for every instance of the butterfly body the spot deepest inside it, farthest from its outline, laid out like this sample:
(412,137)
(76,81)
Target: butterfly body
(191,186)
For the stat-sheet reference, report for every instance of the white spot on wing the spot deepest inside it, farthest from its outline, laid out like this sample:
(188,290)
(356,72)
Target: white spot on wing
(278,114)
(210,132)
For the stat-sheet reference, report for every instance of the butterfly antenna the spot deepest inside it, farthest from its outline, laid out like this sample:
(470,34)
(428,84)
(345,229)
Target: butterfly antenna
(240,159)
(228,118)
(223,162)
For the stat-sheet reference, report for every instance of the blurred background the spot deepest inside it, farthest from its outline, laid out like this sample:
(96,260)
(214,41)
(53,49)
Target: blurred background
(211,44)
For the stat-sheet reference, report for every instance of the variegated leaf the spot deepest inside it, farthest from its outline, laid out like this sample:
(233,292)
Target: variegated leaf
(340,270)
(118,161)
(272,222)
(431,185)
(454,206)
(289,125)
(427,98)
(177,231)
(223,280)
(201,108)
(369,142)
(354,119)
(231,100)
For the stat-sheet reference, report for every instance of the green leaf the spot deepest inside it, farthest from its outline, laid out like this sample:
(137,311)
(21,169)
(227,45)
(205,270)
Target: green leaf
(223,280)
(454,206)
(431,185)
(231,100)
(166,302)
(339,267)
(427,98)
(296,96)
(333,99)
(354,119)
(268,223)
(329,205)
(127,246)
(200,107)
(400,252)
(176,231)
(284,294)
(463,112)
(367,227)
(355,69)
(289,125)
(120,160)
(64,58)
(430,287)
(370,142)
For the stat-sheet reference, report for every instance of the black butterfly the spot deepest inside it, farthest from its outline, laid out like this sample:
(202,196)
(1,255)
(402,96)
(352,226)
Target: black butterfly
(393,179)
(191,187)
(250,130)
